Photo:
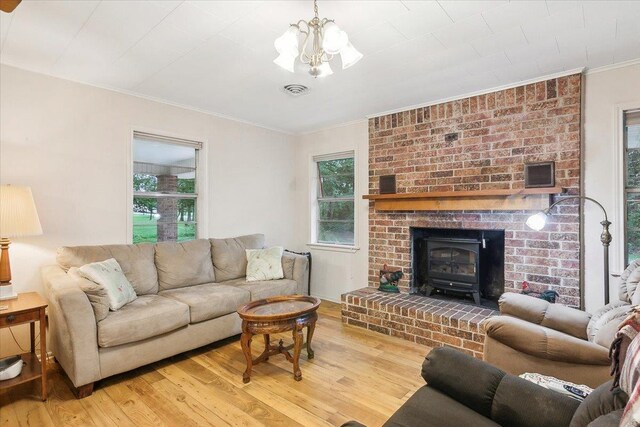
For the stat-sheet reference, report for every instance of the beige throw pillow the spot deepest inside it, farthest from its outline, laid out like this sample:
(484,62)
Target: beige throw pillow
(264,264)
(109,275)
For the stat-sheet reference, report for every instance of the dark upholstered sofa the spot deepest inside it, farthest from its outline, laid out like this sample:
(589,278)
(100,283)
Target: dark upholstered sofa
(463,391)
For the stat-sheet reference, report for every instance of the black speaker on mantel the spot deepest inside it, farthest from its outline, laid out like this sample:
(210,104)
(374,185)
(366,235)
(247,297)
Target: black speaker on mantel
(539,175)
(387,184)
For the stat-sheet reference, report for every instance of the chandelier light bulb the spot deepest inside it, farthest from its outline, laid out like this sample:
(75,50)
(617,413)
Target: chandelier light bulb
(334,39)
(325,70)
(350,56)
(285,61)
(288,42)
(537,221)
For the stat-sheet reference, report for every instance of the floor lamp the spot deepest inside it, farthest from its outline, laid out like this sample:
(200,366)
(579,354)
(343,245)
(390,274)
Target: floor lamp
(539,220)
(18,217)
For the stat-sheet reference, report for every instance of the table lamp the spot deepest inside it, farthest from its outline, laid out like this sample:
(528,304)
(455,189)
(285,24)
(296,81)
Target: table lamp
(18,217)
(539,220)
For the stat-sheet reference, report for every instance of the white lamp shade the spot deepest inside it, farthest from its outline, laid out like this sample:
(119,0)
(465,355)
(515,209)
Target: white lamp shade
(333,39)
(349,56)
(537,221)
(286,61)
(325,70)
(288,42)
(18,215)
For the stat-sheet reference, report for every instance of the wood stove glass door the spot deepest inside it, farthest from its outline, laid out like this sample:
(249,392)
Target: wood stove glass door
(452,261)
(464,262)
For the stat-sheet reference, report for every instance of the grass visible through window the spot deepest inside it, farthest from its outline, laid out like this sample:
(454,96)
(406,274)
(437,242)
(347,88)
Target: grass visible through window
(145,229)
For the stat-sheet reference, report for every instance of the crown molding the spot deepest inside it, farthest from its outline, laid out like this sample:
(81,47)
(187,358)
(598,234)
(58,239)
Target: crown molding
(154,99)
(610,67)
(480,92)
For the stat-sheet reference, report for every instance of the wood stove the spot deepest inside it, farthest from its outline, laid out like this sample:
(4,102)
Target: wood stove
(454,264)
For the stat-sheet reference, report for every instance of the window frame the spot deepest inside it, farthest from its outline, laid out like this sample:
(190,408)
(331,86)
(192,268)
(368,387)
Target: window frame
(316,197)
(626,189)
(201,187)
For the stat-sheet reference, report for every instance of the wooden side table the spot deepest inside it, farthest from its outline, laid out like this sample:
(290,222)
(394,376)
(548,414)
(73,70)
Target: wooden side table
(29,308)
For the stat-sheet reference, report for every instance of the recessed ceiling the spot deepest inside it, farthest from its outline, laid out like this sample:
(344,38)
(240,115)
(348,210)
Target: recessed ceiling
(217,55)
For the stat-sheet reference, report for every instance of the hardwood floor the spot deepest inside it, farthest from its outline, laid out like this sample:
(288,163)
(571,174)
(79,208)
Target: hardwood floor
(356,374)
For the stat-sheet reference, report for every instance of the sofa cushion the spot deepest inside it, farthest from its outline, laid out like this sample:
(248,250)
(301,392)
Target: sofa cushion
(545,343)
(628,289)
(265,288)
(146,317)
(184,264)
(614,312)
(288,263)
(136,261)
(606,333)
(600,401)
(229,256)
(210,300)
(554,316)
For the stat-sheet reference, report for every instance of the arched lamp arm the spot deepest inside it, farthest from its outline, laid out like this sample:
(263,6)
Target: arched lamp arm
(557,202)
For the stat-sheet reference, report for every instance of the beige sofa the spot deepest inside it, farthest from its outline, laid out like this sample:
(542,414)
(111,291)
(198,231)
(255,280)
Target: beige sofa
(188,294)
(532,335)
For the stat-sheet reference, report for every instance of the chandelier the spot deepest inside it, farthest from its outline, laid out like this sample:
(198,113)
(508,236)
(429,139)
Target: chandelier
(322,39)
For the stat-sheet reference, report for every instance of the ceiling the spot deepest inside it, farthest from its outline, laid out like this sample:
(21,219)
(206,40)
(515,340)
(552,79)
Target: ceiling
(217,55)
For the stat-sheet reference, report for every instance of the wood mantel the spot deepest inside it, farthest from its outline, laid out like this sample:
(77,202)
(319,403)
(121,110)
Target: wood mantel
(482,200)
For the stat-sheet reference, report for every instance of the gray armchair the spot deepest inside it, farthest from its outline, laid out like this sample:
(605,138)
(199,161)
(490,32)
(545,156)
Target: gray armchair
(532,335)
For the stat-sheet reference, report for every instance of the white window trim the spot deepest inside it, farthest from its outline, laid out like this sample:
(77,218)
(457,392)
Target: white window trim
(202,181)
(618,242)
(313,205)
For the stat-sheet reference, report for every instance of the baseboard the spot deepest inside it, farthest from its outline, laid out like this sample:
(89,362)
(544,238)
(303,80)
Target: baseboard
(326,298)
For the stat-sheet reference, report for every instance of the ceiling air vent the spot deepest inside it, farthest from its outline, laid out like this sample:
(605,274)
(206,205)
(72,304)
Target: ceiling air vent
(296,90)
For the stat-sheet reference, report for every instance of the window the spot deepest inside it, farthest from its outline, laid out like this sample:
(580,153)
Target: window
(164,188)
(334,211)
(632,184)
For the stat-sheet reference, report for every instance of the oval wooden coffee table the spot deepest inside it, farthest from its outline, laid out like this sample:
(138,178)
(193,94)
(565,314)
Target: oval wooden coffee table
(274,315)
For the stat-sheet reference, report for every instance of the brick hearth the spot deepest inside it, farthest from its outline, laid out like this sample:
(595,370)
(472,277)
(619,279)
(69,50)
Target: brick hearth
(428,321)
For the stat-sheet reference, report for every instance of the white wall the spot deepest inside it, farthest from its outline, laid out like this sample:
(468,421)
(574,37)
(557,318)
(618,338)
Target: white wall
(334,272)
(605,94)
(70,143)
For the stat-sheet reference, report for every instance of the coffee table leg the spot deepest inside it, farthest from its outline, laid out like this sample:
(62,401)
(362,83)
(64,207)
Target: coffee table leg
(310,328)
(245,341)
(298,339)
(267,344)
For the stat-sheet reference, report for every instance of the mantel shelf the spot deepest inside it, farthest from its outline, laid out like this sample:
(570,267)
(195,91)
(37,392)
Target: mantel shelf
(482,200)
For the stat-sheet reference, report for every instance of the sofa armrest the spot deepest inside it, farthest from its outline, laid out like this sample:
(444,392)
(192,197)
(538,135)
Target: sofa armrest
(554,316)
(73,330)
(466,379)
(540,341)
(492,393)
(300,272)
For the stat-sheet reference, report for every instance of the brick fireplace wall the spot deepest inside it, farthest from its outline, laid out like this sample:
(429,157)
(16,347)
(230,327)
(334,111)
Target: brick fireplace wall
(497,134)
